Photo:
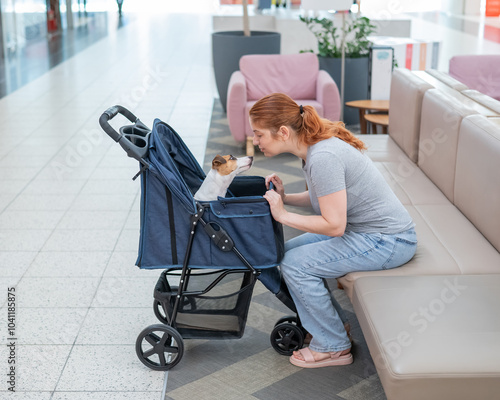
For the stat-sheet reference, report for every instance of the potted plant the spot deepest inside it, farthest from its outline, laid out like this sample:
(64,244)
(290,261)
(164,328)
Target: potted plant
(353,34)
(229,46)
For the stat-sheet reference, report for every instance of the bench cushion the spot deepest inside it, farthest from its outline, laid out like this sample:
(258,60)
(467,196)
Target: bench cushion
(409,183)
(448,244)
(432,257)
(382,148)
(433,337)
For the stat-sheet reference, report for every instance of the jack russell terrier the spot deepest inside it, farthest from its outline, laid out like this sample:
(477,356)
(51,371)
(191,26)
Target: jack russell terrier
(224,169)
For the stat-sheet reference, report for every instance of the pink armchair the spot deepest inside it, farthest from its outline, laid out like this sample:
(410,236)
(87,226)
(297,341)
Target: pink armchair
(479,72)
(297,75)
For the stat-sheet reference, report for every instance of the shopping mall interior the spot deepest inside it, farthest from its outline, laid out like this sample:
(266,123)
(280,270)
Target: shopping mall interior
(75,305)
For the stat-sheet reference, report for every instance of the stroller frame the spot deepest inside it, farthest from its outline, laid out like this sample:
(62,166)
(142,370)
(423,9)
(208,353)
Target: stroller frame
(195,313)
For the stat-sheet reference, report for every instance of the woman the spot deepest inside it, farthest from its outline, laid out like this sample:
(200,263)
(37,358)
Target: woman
(360,225)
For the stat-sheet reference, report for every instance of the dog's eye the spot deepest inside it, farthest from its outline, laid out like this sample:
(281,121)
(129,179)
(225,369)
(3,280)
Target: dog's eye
(231,157)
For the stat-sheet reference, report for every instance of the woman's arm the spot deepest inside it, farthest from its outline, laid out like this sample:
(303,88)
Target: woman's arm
(297,199)
(331,222)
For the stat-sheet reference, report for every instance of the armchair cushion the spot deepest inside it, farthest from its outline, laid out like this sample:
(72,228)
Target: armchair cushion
(293,74)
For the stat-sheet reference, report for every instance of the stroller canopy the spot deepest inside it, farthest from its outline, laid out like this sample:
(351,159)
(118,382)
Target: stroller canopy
(174,164)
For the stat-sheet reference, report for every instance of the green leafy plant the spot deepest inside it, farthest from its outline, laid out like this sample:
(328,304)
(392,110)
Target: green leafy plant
(355,32)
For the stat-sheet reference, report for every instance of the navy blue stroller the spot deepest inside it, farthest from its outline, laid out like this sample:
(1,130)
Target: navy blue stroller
(211,252)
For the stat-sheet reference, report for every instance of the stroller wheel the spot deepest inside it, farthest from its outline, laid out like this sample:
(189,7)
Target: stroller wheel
(287,338)
(292,319)
(159,347)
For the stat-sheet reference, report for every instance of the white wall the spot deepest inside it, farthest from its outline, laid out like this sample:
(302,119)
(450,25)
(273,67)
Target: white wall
(473,7)
(386,8)
(453,6)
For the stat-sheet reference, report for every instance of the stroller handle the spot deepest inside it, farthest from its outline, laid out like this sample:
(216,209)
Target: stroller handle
(134,139)
(109,114)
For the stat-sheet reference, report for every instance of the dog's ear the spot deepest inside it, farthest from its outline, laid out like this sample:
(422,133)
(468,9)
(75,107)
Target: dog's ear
(218,161)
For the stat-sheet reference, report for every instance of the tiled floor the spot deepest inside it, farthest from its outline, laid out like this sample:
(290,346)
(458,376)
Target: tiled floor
(69,209)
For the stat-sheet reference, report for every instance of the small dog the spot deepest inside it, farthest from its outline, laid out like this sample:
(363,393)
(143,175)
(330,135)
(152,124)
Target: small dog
(224,169)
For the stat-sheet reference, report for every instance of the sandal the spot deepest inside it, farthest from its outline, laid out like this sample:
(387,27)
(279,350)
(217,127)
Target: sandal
(336,358)
(347,328)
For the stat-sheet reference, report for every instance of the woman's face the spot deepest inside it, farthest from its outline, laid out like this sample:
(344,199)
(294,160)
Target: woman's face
(266,141)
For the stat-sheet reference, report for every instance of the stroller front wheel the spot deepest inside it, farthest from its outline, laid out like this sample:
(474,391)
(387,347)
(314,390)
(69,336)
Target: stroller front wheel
(287,338)
(289,319)
(159,347)
(294,320)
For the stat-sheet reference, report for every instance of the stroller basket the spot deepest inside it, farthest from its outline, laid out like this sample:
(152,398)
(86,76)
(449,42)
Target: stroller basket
(212,304)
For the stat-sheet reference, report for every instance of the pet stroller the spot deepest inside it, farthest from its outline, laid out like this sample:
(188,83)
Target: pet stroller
(212,252)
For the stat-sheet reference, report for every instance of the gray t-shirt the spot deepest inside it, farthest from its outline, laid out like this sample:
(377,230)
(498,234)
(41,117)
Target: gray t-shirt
(372,207)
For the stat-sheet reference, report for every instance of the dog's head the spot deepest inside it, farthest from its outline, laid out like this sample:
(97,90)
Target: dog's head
(230,165)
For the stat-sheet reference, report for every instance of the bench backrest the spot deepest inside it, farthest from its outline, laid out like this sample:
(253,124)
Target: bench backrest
(405,108)
(435,77)
(477,177)
(439,128)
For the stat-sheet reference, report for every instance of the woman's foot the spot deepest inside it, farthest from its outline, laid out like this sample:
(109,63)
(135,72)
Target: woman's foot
(307,358)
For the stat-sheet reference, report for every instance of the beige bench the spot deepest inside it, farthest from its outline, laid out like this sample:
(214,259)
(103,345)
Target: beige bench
(433,325)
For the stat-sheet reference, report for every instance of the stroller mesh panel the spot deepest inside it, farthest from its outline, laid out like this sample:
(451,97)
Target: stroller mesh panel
(216,323)
(213,304)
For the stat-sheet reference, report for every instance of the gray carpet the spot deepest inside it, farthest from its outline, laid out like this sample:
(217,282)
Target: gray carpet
(249,368)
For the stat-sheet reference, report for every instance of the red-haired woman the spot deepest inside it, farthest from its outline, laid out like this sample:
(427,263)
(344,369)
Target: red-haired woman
(359,223)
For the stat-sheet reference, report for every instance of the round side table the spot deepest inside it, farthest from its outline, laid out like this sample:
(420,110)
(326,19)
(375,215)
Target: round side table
(378,119)
(364,105)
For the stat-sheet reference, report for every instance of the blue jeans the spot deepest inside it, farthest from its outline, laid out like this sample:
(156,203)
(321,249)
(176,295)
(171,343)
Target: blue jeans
(310,258)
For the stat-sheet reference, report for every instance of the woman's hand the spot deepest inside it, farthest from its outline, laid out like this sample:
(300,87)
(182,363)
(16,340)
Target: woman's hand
(278,185)
(276,203)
